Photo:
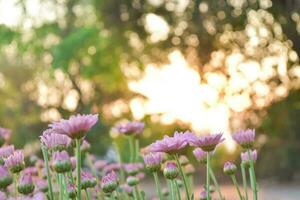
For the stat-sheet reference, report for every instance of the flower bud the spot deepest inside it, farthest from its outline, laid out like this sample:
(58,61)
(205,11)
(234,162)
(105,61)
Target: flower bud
(41,185)
(109,182)
(171,170)
(245,157)
(200,155)
(126,188)
(133,168)
(5,178)
(132,180)
(61,162)
(71,190)
(203,195)
(73,162)
(15,162)
(85,146)
(87,180)
(229,168)
(25,185)
(153,161)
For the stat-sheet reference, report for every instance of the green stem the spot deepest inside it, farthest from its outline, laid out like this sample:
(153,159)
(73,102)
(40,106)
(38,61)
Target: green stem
(236,186)
(212,176)
(252,176)
(122,175)
(15,178)
(243,169)
(71,177)
(158,188)
(131,148)
(137,149)
(171,189)
(46,159)
(78,168)
(183,177)
(136,193)
(61,194)
(178,190)
(87,194)
(207,177)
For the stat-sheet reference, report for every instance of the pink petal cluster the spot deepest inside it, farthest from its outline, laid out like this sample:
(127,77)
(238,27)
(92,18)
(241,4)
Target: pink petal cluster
(229,168)
(200,155)
(100,164)
(112,167)
(3,172)
(26,179)
(171,144)
(85,146)
(108,178)
(76,126)
(14,159)
(133,168)
(131,128)
(245,138)
(60,156)
(53,140)
(245,156)
(153,159)
(86,176)
(207,143)
(6,151)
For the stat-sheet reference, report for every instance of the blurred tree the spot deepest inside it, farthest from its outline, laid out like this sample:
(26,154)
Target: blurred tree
(281,139)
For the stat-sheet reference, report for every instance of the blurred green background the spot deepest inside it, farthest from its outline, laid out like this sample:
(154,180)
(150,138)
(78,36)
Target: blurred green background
(181,64)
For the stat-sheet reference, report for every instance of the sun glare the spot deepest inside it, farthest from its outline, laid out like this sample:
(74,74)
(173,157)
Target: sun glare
(176,92)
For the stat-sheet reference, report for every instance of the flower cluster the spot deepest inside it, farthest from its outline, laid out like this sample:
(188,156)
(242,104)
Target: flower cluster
(69,171)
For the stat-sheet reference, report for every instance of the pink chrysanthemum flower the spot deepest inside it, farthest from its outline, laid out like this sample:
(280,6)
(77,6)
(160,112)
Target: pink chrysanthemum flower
(5,178)
(6,151)
(42,184)
(100,164)
(112,167)
(153,161)
(170,170)
(61,162)
(126,188)
(5,135)
(87,180)
(245,138)
(208,142)
(76,126)
(33,171)
(85,146)
(131,128)
(132,168)
(229,168)
(109,182)
(55,141)
(25,185)
(203,195)
(200,155)
(245,157)
(15,162)
(170,145)
(71,190)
